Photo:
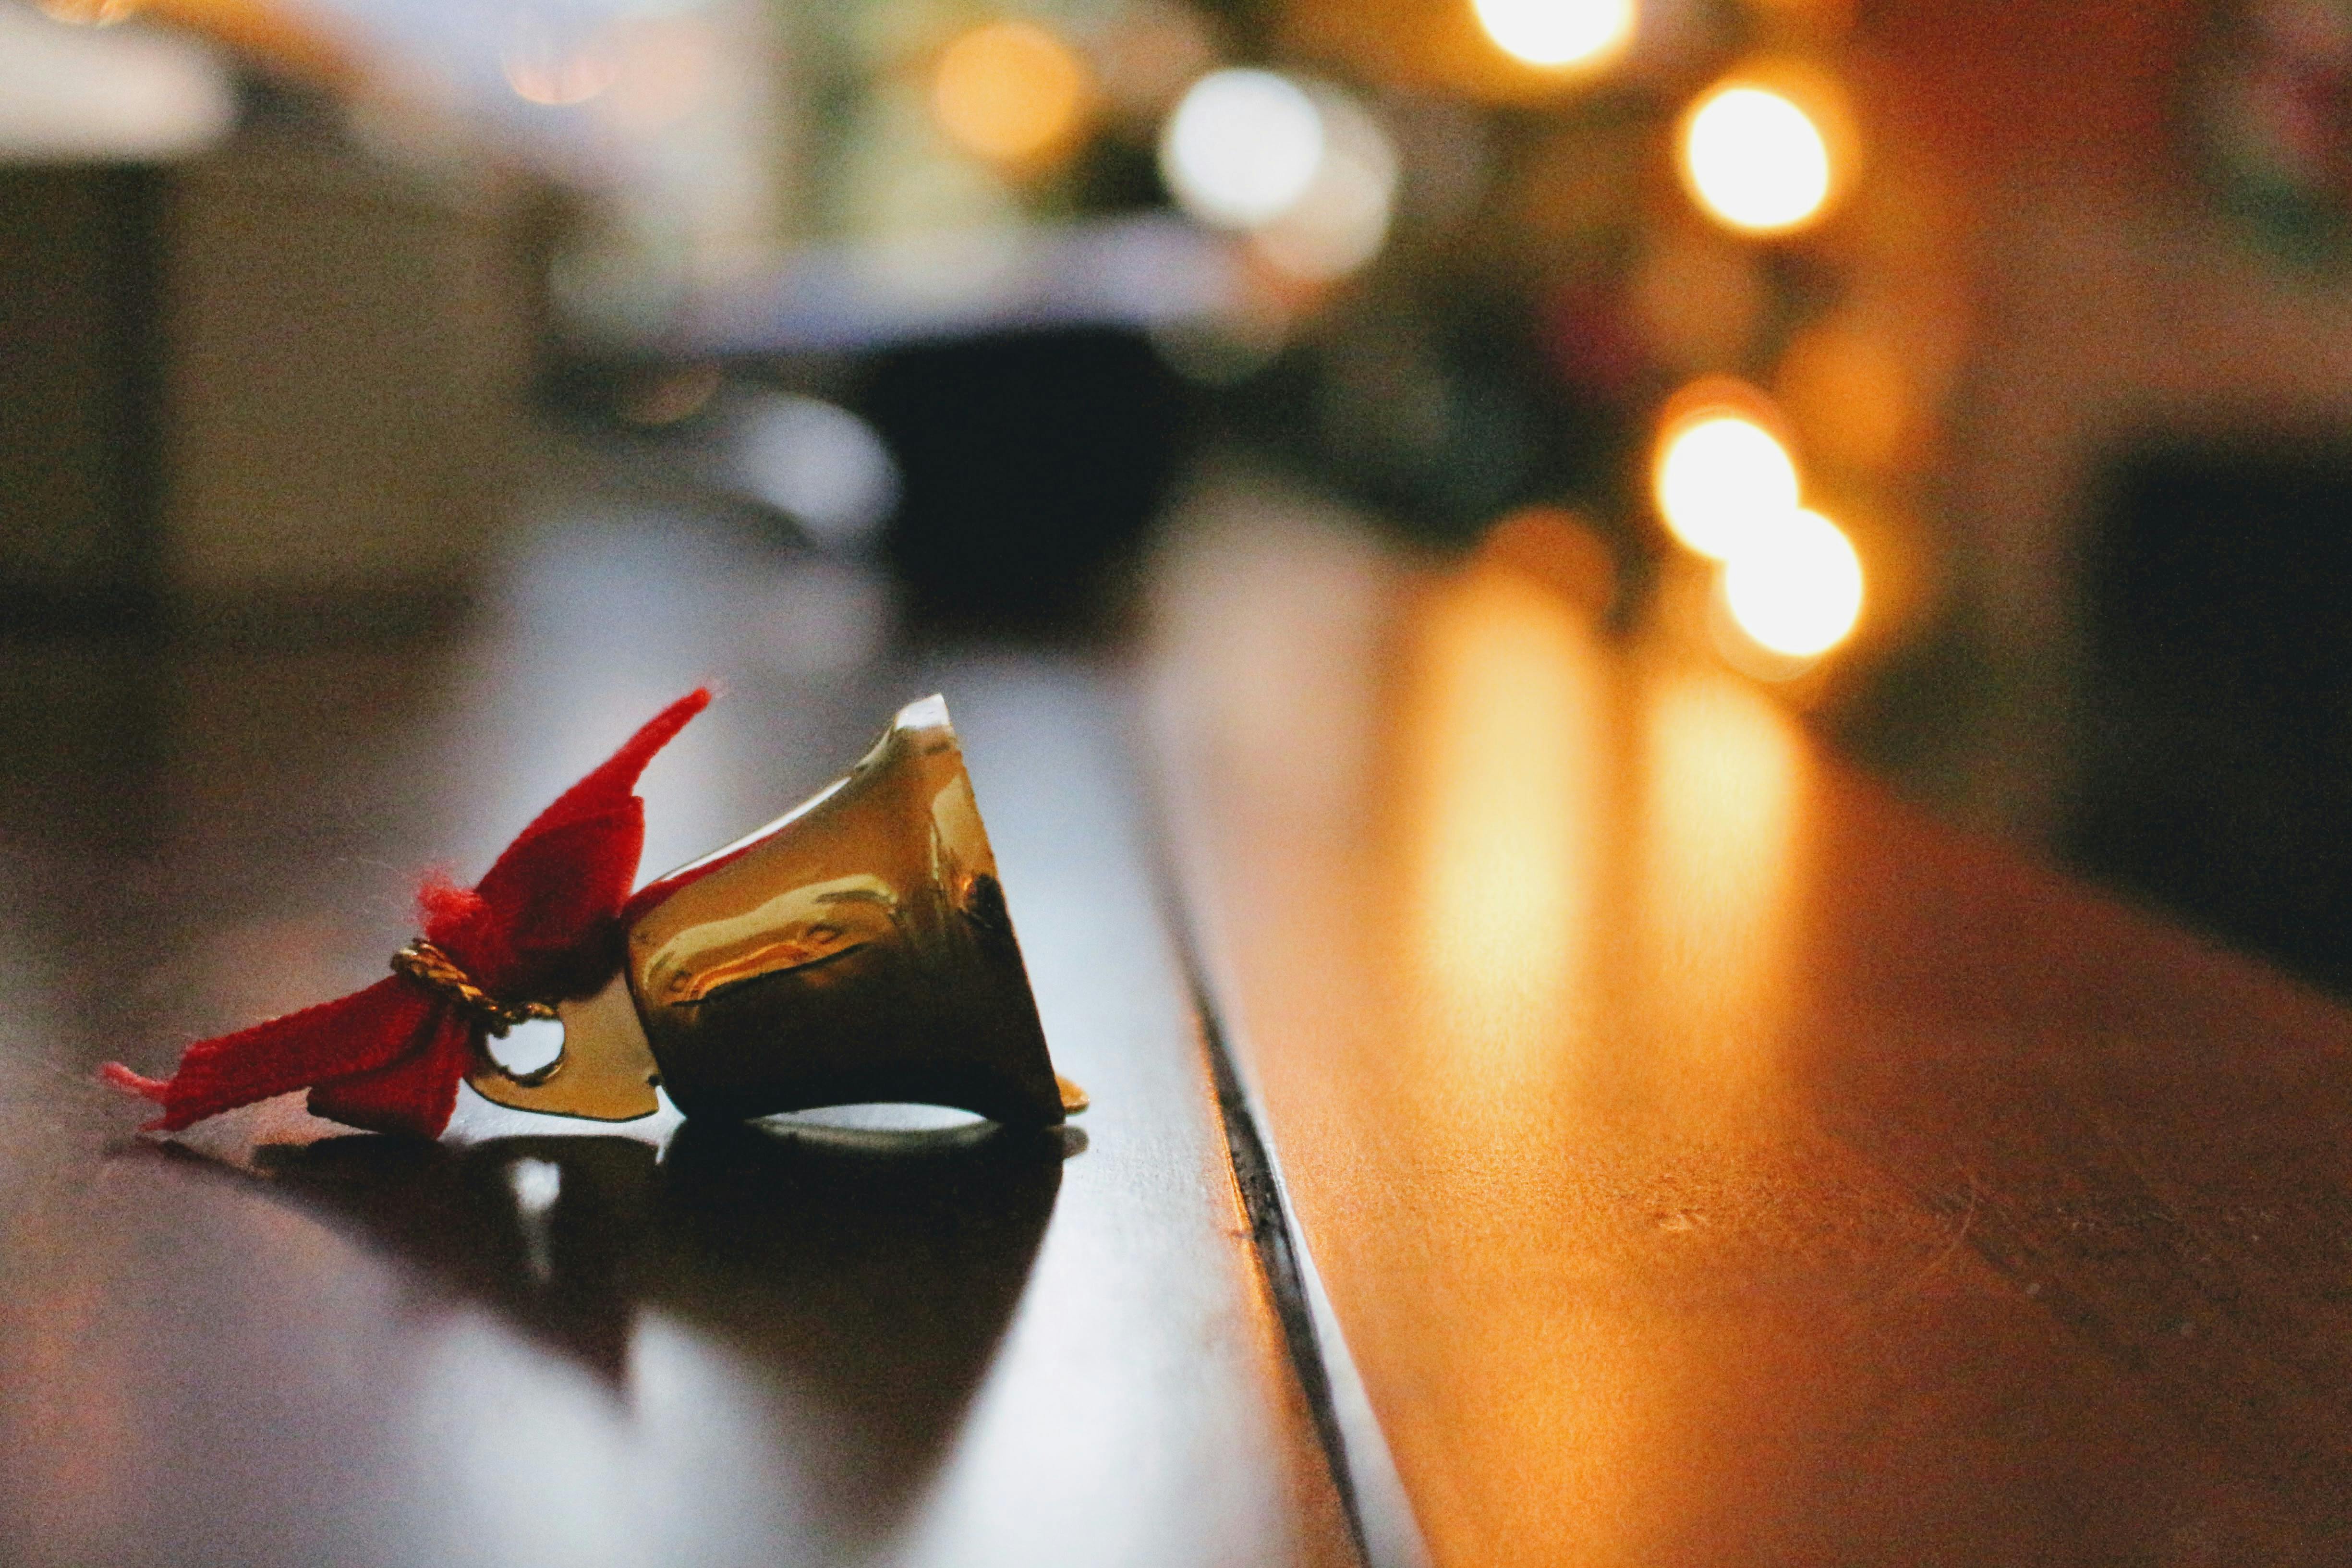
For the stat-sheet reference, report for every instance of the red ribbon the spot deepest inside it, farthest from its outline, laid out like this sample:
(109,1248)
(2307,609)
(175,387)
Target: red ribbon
(543,925)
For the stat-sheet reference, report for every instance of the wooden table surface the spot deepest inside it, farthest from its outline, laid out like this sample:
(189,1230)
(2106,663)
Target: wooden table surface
(535,1342)
(1709,1159)
(1703,1158)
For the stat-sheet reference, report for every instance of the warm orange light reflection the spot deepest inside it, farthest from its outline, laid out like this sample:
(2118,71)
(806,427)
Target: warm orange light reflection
(1720,769)
(1561,550)
(1851,390)
(1009,91)
(1755,160)
(1719,477)
(1698,297)
(1519,983)
(90,13)
(1505,727)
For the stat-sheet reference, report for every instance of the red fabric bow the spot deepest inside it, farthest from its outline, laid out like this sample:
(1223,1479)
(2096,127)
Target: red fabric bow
(543,925)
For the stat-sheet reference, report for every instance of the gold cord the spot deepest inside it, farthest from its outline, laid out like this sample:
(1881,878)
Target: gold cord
(421,960)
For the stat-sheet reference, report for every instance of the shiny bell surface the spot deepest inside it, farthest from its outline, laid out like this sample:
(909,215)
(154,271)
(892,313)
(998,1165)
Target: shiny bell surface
(855,950)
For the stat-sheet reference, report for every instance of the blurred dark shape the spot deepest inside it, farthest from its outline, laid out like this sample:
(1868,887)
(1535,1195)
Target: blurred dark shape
(271,387)
(2217,776)
(84,770)
(665,395)
(881,1267)
(1031,464)
(1116,175)
(2275,118)
(704,438)
(81,373)
(1439,417)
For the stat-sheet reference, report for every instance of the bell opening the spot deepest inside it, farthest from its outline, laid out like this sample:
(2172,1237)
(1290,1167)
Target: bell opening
(881,1116)
(902,1130)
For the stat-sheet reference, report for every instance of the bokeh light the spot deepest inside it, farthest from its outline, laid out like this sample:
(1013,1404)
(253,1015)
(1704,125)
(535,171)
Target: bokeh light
(1341,219)
(553,60)
(1241,147)
(670,68)
(1796,585)
(1558,32)
(1755,160)
(120,95)
(1721,477)
(817,462)
(1009,91)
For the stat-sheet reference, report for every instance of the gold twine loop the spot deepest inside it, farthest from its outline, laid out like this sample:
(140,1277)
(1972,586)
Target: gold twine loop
(421,960)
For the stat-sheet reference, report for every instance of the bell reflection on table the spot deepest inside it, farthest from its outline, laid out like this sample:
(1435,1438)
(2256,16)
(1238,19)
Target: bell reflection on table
(859,1280)
(857,950)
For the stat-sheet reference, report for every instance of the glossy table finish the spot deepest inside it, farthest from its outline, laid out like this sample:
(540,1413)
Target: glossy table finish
(532,1342)
(1710,1159)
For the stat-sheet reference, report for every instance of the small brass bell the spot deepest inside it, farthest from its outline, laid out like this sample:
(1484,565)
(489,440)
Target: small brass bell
(855,950)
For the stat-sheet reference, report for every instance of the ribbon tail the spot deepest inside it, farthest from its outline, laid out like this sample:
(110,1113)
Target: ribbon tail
(355,1034)
(414,1093)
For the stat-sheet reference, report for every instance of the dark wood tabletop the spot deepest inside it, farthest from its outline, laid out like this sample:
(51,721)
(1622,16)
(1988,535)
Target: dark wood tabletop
(855,1338)
(1568,1094)
(1708,1158)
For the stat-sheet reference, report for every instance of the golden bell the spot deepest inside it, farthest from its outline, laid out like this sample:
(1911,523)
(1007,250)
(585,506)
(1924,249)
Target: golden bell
(855,950)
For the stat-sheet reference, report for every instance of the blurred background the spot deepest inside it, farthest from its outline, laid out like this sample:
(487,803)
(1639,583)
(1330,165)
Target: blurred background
(1975,377)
